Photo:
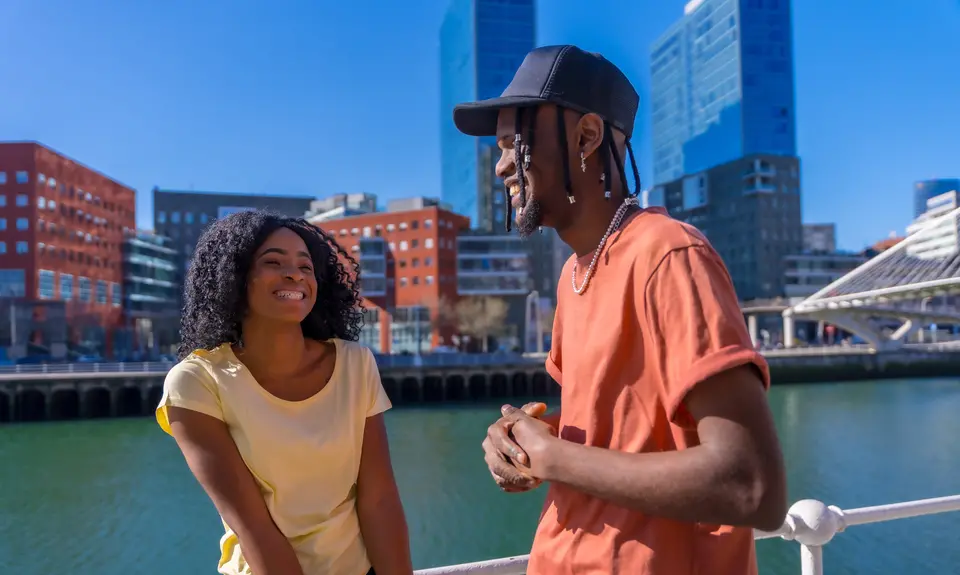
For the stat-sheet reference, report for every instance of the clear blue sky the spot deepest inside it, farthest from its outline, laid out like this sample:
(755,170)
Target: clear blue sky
(317,97)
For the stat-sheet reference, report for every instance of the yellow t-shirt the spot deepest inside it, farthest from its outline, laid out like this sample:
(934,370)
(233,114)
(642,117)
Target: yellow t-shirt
(305,455)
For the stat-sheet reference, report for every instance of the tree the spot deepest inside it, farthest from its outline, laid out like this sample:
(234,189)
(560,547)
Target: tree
(481,317)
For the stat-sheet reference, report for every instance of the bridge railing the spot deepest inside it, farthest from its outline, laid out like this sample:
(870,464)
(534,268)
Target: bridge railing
(66,368)
(809,522)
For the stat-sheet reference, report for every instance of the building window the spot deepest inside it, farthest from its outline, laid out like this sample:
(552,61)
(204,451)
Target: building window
(3,178)
(367,232)
(66,287)
(22,177)
(23,224)
(175,217)
(52,205)
(403,246)
(416,280)
(393,247)
(3,247)
(115,294)
(188,217)
(427,262)
(22,200)
(428,224)
(391,227)
(52,183)
(85,290)
(414,225)
(3,224)
(41,178)
(23,248)
(3,201)
(204,218)
(354,231)
(46,289)
(403,225)
(42,202)
(13,283)
(429,280)
(101,291)
(414,243)
(428,243)
(403,281)
(161,217)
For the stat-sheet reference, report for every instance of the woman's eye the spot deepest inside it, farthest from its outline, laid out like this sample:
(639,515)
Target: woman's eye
(271,263)
(307,269)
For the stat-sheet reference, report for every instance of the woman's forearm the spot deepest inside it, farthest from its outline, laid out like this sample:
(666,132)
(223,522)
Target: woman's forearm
(268,552)
(384,531)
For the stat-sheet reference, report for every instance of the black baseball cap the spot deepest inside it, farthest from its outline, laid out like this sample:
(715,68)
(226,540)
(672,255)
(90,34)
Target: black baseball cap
(562,75)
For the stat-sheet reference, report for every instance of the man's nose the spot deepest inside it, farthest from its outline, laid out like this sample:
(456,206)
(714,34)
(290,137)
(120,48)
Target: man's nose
(505,166)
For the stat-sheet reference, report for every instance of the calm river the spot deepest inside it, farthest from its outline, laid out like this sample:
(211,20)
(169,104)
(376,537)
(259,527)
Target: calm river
(115,497)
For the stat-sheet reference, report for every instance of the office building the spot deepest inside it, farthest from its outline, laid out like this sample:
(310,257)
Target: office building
(482,43)
(408,264)
(722,86)
(941,235)
(497,266)
(749,209)
(807,273)
(820,238)
(62,226)
(927,189)
(182,215)
(341,205)
(151,297)
(724,142)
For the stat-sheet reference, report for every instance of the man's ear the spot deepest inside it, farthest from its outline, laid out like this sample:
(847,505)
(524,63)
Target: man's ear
(589,134)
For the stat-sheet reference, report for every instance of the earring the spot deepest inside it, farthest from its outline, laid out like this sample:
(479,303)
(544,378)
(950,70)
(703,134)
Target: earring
(583,162)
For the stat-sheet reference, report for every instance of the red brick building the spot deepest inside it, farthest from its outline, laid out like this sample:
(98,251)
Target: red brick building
(408,260)
(62,226)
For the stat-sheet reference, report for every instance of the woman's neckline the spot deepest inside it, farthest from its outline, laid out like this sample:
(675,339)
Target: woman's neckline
(322,391)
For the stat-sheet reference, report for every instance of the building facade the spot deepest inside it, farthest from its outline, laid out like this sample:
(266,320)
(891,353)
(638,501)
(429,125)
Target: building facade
(749,209)
(181,216)
(722,86)
(807,273)
(820,238)
(941,235)
(408,263)
(151,296)
(62,226)
(482,43)
(927,189)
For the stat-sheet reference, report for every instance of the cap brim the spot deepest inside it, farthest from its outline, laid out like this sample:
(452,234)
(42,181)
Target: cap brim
(480,118)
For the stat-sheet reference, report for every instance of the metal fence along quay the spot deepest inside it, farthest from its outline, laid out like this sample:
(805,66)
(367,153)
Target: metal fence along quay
(809,522)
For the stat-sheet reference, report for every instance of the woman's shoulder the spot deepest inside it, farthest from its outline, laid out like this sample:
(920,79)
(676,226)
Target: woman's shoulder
(353,353)
(205,360)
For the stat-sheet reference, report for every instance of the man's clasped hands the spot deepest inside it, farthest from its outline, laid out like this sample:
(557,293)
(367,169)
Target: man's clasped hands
(520,446)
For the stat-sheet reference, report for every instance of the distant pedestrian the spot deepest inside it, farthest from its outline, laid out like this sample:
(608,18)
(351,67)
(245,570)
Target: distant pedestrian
(278,412)
(664,455)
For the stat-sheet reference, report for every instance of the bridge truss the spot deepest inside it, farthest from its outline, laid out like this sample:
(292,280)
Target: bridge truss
(895,294)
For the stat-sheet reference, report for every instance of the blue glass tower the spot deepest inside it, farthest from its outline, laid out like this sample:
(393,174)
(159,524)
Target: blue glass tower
(722,86)
(923,191)
(482,43)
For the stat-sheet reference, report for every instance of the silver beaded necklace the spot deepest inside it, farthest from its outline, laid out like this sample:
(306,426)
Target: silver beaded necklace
(614,224)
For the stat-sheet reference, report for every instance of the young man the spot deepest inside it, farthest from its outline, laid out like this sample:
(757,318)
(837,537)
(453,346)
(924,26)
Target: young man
(664,455)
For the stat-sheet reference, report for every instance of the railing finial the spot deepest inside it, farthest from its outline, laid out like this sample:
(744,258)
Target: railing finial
(813,523)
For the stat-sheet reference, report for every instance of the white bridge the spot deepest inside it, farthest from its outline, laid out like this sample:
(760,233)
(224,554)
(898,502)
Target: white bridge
(894,295)
(809,522)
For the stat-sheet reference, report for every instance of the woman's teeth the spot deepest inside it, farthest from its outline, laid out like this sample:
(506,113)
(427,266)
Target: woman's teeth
(289,294)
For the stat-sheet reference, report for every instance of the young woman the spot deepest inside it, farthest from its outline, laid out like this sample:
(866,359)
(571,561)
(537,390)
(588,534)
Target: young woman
(278,413)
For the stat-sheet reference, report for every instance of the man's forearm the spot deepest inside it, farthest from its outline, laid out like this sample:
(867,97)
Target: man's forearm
(693,485)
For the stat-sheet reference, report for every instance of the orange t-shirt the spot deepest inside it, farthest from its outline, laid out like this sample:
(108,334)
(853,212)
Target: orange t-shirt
(659,316)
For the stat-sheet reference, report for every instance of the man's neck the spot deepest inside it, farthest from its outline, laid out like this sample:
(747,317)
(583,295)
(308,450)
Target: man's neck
(588,225)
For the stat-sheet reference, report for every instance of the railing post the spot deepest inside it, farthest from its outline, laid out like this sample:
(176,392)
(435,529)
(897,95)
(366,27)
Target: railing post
(811,559)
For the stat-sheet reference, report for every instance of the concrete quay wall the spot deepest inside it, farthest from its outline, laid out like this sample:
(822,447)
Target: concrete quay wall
(65,396)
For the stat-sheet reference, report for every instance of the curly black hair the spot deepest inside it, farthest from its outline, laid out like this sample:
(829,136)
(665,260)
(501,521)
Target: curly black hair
(215,291)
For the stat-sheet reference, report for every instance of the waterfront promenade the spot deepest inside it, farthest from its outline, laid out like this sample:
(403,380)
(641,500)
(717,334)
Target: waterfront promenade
(92,390)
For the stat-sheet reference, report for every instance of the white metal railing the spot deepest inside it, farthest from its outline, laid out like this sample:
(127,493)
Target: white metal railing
(809,522)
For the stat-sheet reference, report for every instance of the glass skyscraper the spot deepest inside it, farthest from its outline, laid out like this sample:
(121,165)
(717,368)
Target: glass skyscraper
(482,43)
(722,86)
(923,191)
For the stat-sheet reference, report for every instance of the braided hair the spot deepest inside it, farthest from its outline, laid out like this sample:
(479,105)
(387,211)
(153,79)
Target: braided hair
(608,149)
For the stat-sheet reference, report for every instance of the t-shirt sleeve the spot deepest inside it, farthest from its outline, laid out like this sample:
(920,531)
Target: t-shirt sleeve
(376,397)
(190,386)
(695,326)
(554,359)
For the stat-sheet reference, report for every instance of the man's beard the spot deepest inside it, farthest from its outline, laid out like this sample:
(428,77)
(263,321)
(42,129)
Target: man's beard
(530,219)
